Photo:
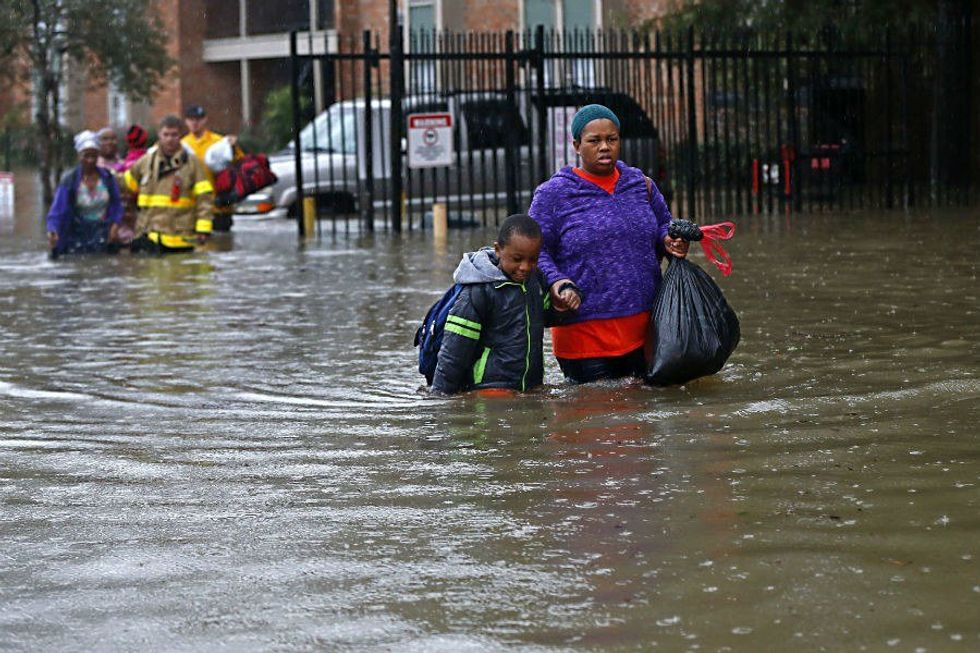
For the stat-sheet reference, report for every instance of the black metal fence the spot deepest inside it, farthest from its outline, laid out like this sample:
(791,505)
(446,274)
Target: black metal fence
(733,125)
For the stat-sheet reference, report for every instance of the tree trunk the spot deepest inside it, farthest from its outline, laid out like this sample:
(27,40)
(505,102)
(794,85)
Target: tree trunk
(57,129)
(44,141)
(40,62)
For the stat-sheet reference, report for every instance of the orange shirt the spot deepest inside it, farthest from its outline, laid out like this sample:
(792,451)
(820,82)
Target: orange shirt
(600,338)
(607,183)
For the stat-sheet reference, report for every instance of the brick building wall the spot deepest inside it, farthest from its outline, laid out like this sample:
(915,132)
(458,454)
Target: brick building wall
(489,15)
(631,14)
(215,86)
(353,16)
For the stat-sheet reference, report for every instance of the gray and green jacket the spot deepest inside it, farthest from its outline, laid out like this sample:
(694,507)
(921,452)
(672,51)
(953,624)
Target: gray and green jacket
(494,332)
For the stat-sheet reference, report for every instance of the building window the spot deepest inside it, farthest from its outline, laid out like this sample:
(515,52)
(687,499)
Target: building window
(325,14)
(540,13)
(578,14)
(564,15)
(422,25)
(570,25)
(221,19)
(264,17)
(118,109)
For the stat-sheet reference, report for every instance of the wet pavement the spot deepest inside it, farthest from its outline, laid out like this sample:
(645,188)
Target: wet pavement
(229,449)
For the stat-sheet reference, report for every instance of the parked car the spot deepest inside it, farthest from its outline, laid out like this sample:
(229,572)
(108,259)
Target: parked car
(335,165)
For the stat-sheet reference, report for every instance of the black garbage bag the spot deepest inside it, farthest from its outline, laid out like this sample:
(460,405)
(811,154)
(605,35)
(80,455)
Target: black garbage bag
(693,330)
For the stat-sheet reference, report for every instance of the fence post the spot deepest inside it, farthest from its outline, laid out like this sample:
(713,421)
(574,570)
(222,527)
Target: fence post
(367,197)
(692,129)
(542,130)
(396,118)
(794,196)
(297,116)
(889,144)
(510,162)
(906,144)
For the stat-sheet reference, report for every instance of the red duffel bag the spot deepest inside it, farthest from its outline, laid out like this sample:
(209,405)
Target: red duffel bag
(242,178)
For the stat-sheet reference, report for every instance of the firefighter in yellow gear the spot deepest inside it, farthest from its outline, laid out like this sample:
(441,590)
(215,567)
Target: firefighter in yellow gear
(173,194)
(198,139)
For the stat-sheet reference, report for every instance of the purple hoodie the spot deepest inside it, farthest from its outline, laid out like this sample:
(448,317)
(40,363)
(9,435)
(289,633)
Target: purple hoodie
(609,245)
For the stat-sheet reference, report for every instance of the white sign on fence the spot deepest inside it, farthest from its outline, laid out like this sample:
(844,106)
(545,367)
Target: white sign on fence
(6,195)
(562,152)
(430,140)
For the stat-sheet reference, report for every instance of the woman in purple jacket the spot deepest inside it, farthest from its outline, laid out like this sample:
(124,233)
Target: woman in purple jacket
(604,227)
(87,209)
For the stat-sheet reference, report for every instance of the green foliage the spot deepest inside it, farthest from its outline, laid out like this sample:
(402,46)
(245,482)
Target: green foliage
(16,146)
(122,43)
(847,20)
(275,129)
(277,116)
(18,138)
(119,42)
(253,139)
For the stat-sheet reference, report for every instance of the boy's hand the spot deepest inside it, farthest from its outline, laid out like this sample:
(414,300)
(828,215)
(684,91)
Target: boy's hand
(52,239)
(566,299)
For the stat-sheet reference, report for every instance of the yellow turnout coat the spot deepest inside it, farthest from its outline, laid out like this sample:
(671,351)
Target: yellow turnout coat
(173,196)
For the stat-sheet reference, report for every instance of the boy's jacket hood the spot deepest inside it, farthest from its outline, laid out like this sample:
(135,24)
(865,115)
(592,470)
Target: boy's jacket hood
(479,267)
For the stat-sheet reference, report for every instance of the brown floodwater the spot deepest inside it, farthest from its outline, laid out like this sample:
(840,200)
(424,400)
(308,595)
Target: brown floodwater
(229,449)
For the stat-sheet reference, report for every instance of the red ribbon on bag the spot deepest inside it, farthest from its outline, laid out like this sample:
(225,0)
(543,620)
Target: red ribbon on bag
(712,233)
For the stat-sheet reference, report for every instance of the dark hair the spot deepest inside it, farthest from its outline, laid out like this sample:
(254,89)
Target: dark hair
(520,224)
(170,121)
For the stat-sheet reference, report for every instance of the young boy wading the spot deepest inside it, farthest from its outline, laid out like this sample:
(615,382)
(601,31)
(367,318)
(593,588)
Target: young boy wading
(493,336)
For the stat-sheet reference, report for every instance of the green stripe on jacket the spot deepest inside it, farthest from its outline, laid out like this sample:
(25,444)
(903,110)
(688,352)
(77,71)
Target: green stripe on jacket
(463,322)
(462,331)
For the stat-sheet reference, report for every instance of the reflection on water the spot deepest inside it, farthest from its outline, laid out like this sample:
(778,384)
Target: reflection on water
(230,447)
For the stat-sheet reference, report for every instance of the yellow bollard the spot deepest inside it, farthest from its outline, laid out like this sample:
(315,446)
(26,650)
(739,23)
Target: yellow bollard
(309,216)
(440,221)
(403,211)
(440,228)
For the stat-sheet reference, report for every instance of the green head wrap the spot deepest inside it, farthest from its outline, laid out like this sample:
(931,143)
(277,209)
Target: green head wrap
(589,113)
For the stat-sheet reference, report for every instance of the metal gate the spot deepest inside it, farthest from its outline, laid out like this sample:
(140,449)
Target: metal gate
(734,125)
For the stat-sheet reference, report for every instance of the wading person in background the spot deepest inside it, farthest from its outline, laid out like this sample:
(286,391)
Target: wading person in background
(494,331)
(604,227)
(173,195)
(109,149)
(136,138)
(86,210)
(199,139)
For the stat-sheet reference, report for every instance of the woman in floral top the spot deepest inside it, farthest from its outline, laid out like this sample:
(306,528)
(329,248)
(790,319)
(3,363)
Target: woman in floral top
(87,210)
